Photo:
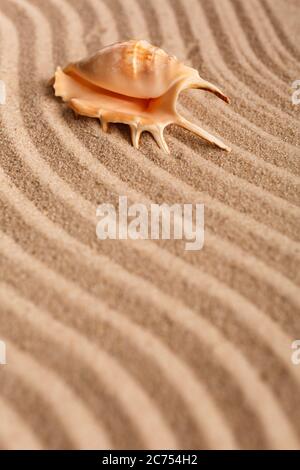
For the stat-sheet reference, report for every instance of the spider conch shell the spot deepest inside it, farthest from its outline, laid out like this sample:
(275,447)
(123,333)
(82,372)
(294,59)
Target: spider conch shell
(134,83)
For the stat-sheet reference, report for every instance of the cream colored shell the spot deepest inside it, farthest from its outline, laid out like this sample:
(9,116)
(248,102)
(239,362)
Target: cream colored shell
(133,68)
(134,83)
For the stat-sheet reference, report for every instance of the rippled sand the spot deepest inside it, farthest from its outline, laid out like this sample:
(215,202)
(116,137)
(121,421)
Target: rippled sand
(125,344)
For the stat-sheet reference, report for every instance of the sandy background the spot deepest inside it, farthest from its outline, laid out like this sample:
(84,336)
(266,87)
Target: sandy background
(142,344)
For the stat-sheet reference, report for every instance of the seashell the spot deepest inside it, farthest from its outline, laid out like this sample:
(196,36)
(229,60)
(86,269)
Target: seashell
(134,83)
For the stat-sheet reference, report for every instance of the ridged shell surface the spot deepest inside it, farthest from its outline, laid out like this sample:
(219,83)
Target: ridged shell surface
(133,68)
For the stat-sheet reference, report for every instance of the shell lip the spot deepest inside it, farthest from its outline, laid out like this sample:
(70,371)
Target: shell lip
(95,86)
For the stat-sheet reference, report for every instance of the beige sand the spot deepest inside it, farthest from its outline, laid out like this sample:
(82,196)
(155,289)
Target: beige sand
(122,344)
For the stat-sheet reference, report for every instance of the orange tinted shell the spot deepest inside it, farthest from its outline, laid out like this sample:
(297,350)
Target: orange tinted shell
(134,83)
(132,68)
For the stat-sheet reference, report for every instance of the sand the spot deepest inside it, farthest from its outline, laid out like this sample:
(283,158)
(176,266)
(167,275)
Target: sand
(141,344)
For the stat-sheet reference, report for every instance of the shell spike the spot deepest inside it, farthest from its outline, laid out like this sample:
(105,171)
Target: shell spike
(204,85)
(181,121)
